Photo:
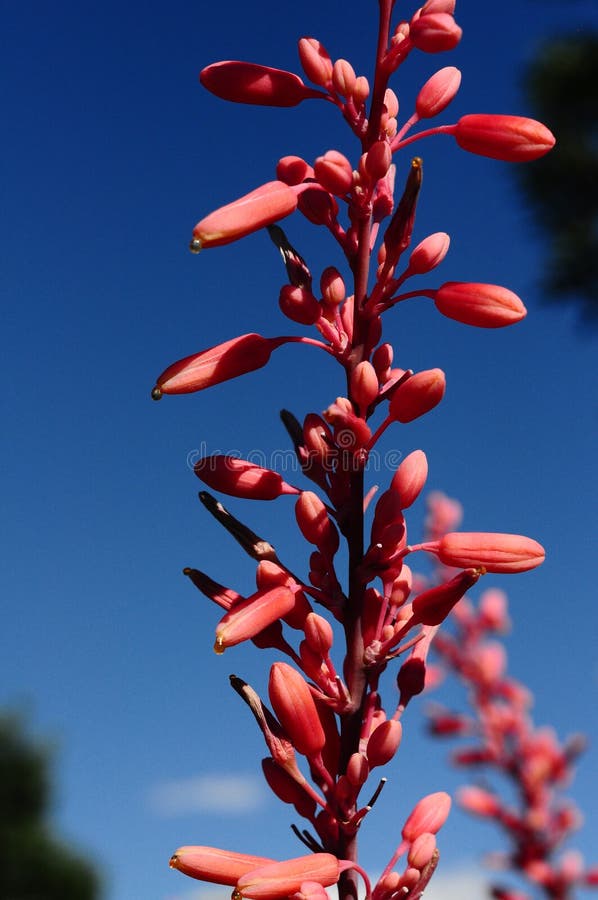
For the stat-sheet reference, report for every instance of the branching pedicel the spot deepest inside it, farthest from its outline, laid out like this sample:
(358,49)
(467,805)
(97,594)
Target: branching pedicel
(337,722)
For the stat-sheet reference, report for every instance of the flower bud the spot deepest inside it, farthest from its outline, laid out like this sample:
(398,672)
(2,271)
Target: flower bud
(429,815)
(410,478)
(315,60)
(437,92)
(364,384)
(295,709)
(495,552)
(361,90)
(318,206)
(435,32)
(250,616)
(286,788)
(319,440)
(332,286)
(299,304)
(293,170)
(382,361)
(343,77)
(378,160)
(243,82)
(421,850)
(241,478)
(358,770)
(383,743)
(391,102)
(417,396)
(315,523)
(264,206)
(478,801)
(220,363)
(310,890)
(334,173)
(213,865)
(429,253)
(433,606)
(318,634)
(279,879)
(483,305)
(510,138)
(438,6)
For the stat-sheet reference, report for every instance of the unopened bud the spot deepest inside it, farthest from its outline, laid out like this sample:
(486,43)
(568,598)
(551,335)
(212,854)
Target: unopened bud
(343,77)
(437,92)
(429,815)
(299,304)
(213,865)
(384,742)
(510,138)
(429,253)
(435,32)
(241,478)
(315,60)
(280,879)
(293,170)
(364,385)
(418,395)
(315,523)
(264,206)
(243,82)
(483,305)
(421,850)
(334,173)
(295,708)
(250,616)
(410,478)
(495,552)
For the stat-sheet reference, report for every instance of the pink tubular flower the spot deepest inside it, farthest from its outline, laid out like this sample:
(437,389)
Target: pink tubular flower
(217,364)
(241,478)
(248,618)
(213,865)
(428,815)
(437,92)
(510,138)
(263,206)
(417,396)
(500,553)
(243,82)
(280,879)
(484,305)
(296,710)
(433,606)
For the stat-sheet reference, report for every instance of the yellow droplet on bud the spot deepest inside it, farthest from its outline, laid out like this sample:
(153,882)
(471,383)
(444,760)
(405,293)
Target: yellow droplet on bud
(218,646)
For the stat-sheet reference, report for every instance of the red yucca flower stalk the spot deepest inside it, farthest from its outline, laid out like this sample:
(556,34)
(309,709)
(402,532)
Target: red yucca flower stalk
(331,720)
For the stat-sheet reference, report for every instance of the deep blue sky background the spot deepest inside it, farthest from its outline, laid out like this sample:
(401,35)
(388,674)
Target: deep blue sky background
(111,153)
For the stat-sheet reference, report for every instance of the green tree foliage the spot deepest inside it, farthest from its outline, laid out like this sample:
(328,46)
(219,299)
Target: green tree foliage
(34,864)
(562,188)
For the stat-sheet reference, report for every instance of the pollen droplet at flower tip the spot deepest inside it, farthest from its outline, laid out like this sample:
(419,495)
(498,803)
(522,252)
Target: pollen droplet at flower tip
(156,393)
(195,245)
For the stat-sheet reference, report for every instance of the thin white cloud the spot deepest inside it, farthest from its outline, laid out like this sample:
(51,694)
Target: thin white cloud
(217,793)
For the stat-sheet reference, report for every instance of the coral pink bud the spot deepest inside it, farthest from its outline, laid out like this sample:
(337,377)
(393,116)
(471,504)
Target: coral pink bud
(286,787)
(310,890)
(411,679)
(315,523)
(410,478)
(315,60)
(343,77)
(492,610)
(213,865)
(280,879)
(364,384)
(437,92)
(264,206)
(491,661)
(318,206)
(421,850)
(408,880)
(438,6)
(429,253)
(357,770)
(429,815)
(248,618)
(319,441)
(318,634)
(295,708)
(401,587)
(433,606)
(418,395)
(293,170)
(495,552)
(361,90)
(244,82)
(391,102)
(484,305)
(332,286)
(299,304)
(220,363)
(383,743)
(378,160)
(478,801)
(241,478)
(435,32)
(510,138)
(334,172)
(382,361)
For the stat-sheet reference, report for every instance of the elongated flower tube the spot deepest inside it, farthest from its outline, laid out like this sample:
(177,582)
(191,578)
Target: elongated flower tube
(417,396)
(433,606)
(217,364)
(500,553)
(241,478)
(484,305)
(243,82)
(428,815)
(296,710)
(263,206)
(280,879)
(315,523)
(250,616)
(510,138)
(214,865)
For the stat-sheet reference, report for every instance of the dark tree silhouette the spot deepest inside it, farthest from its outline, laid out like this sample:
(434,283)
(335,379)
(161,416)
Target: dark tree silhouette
(562,188)
(34,864)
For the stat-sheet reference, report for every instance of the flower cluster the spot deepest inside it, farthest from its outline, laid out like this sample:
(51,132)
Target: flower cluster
(326,730)
(502,738)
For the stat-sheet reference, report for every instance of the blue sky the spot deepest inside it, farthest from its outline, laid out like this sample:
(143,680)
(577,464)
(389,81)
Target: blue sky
(111,153)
